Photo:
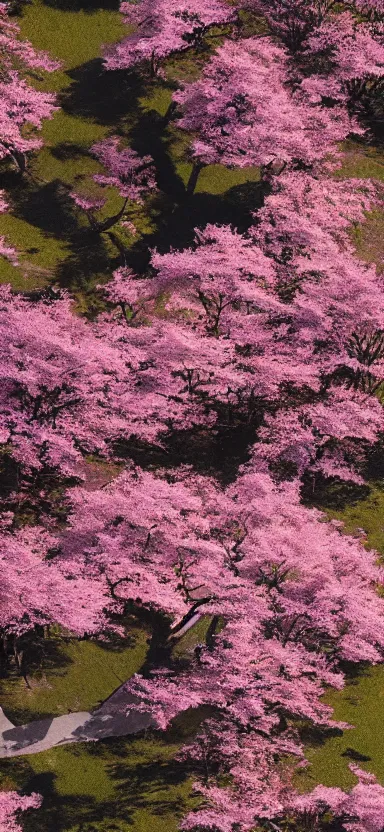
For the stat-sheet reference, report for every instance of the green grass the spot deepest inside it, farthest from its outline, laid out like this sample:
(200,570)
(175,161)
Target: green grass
(77,38)
(187,643)
(366,163)
(361,704)
(73,37)
(130,785)
(38,254)
(361,162)
(368,239)
(76,676)
(367,514)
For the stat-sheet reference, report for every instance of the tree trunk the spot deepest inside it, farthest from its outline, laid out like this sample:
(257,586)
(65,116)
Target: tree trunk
(108,223)
(192,181)
(120,248)
(168,115)
(153,66)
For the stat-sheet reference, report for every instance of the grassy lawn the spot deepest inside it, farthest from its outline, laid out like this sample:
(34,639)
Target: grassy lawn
(361,162)
(366,163)
(367,514)
(361,703)
(130,785)
(369,239)
(122,785)
(77,676)
(135,784)
(75,38)
(49,232)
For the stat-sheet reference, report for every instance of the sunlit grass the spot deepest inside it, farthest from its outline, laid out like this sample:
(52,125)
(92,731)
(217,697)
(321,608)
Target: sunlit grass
(73,37)
(77,677)
(361,704)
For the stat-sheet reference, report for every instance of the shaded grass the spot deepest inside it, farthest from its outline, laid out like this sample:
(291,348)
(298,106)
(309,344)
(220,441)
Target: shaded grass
(196,635)
(94,102)
(361,161)
(74,37)
(76,676)
(130,784)
(369,239)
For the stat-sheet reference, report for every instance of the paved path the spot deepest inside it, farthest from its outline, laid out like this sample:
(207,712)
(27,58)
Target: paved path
(114,718)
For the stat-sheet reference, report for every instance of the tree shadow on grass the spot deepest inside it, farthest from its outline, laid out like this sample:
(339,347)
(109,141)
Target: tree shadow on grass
(150,786)
(65,151)
(356,756)
(42,656)
(177,216)
(49,208)
(153,784)
(374,467)
(87,264)
(331,492)
(156,784)
(59,813)
(44,205)
(92,255)
(88,6)
(107,97)
(185,212)
(316,735)
(216,454)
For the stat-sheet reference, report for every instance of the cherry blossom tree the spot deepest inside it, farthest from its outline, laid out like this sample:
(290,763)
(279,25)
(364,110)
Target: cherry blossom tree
(244,114)
(276,332)
(347,57)
(11,804)
(361,809)
(131,174)
(292,20)
(286,625)
(165,28)
(21,105)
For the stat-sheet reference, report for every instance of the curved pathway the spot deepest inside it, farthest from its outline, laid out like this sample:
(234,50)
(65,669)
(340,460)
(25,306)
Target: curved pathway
(114,718)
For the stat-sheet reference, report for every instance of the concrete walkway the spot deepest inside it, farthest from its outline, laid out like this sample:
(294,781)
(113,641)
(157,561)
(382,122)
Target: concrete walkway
(114,718)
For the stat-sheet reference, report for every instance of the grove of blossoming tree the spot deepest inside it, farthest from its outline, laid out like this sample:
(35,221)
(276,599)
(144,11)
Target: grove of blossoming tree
(11,807)
(21,104)
(165,28)
(263,347)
